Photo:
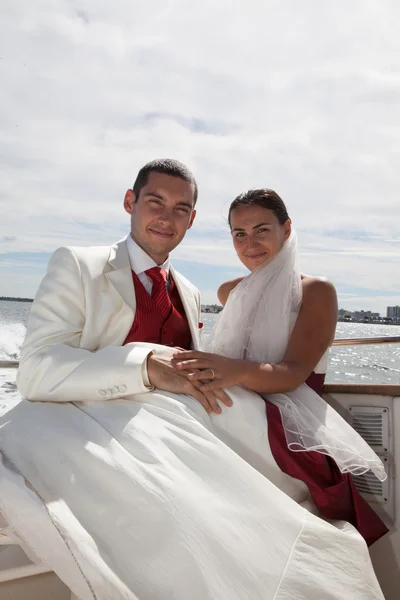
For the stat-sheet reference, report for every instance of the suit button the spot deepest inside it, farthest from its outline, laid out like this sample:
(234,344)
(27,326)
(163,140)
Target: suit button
(102,392)
(109,392)
(122,389)
(114,390)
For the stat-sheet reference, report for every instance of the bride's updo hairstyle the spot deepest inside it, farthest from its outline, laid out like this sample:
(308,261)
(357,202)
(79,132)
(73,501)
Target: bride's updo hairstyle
(262,197)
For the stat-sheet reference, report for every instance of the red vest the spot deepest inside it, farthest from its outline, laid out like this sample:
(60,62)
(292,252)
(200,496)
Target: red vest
(149,326)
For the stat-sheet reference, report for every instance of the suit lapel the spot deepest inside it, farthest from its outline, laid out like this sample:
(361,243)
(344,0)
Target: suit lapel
(190,305)
(118,273)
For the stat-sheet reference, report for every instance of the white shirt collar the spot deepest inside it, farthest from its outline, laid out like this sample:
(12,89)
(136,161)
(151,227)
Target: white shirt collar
(140,260)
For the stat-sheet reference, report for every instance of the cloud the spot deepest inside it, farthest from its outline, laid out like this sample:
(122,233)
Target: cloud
(300,97)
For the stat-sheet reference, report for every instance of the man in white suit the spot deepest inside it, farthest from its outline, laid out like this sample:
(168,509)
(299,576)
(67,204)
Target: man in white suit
(97,306)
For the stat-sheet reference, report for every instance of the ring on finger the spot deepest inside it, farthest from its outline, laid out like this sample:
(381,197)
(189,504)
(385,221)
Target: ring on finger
(213,374)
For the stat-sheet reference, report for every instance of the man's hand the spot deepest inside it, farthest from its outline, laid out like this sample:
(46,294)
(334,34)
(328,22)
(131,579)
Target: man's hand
(164,376)
(213,396)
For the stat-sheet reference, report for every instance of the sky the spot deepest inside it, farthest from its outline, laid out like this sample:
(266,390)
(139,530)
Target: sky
(301,96)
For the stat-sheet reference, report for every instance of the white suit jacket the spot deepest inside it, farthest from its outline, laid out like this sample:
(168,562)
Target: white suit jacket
(81,315)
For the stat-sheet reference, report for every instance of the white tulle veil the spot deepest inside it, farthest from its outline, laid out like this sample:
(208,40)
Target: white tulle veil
(256,324)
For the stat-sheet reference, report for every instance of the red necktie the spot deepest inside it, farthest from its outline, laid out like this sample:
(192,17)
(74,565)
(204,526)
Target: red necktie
(159,292)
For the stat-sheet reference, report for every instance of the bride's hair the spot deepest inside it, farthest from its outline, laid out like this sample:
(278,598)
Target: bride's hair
(262,197)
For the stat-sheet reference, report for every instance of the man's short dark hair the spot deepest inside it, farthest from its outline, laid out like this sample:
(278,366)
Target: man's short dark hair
(167,166)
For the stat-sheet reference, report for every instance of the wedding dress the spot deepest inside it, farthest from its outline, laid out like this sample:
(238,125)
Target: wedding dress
(151,498)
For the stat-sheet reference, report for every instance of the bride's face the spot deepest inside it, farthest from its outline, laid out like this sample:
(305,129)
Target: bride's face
(257,234)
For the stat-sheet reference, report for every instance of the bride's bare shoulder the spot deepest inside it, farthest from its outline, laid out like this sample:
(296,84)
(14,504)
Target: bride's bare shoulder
(318,289)
(226,288)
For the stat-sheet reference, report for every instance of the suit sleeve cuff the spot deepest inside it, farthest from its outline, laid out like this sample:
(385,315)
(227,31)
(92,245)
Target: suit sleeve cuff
(145,375)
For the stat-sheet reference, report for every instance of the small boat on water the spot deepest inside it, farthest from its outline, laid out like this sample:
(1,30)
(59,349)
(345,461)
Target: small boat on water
(372,409)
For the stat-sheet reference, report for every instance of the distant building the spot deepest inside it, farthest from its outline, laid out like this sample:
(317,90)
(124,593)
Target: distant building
(365,315)
(359,316)
(393,312)
(211,308)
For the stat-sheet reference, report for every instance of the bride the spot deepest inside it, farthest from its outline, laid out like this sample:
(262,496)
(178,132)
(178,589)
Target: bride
(151,497)
(282,323)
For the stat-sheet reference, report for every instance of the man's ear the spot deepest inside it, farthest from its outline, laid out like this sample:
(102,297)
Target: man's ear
(192,218)
(129,201)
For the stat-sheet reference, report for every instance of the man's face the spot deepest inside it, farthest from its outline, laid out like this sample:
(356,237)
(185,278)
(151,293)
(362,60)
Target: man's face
(161,215)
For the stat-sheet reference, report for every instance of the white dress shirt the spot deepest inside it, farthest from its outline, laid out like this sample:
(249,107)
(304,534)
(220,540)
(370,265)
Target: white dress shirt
(141,262)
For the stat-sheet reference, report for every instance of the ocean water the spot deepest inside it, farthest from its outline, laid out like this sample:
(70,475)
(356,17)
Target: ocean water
(356,364)
(347,364)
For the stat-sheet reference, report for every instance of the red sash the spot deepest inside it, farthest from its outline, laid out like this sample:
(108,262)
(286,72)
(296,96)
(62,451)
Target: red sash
(333,492)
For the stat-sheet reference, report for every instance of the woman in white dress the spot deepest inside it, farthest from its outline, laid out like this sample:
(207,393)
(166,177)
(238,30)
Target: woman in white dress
(152,498)
(273,337)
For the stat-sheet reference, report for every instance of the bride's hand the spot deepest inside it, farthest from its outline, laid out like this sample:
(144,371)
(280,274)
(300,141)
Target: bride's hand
(211,370)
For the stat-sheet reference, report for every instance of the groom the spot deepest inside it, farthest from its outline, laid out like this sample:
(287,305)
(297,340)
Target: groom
(100,310)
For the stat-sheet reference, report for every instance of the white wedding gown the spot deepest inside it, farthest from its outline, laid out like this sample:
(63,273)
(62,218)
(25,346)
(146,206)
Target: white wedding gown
(150,498)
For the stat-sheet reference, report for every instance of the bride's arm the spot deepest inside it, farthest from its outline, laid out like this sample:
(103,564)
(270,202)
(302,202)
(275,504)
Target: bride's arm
(311,337)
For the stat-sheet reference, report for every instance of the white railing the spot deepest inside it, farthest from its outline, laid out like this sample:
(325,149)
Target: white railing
(366,341)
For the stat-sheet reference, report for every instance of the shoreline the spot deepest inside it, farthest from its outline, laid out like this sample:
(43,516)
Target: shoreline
(212,311)
(362,322)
